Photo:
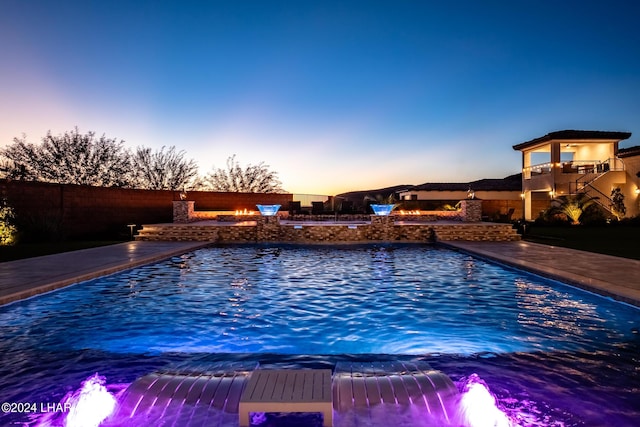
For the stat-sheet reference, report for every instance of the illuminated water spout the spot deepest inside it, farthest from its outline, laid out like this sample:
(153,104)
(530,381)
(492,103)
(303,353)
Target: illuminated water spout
(268,210)
(382,210)
(478,406)
(91,404)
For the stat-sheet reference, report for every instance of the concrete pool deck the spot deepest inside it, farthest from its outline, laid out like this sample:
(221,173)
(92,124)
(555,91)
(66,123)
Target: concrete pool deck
(32,276)
(607,275)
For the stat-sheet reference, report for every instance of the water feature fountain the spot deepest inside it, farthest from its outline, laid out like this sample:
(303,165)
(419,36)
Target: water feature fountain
(268,210)
(382,210)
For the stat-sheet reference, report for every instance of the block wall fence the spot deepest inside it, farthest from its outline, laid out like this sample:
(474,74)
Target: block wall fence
(85,211)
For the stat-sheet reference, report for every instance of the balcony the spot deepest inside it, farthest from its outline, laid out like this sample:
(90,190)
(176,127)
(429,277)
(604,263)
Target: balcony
(575,167)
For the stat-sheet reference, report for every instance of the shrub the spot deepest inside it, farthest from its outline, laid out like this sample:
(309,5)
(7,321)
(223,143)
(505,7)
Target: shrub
(8,229)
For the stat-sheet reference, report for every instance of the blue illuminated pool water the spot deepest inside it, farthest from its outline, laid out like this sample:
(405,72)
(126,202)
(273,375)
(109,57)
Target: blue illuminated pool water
(538,342)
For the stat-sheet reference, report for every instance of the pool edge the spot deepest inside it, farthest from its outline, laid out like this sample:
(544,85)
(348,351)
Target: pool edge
(56,275)
(491,251)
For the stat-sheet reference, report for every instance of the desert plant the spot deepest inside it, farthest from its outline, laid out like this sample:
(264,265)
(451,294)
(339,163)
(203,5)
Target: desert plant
(8,230)
(380,199)
(448,207)
(618,209)
(574,206)
(41,226)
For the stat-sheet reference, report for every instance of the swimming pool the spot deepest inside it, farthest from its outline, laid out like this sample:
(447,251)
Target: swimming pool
(557,354)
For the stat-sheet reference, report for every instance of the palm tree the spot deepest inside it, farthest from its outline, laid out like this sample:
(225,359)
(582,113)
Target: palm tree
(574,206)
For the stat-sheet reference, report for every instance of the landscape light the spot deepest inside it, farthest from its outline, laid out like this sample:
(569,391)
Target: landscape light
(478,406)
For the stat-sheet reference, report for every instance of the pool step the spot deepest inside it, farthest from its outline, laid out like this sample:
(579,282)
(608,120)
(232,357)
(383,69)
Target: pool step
(359,387)
(363,390)
(186,397)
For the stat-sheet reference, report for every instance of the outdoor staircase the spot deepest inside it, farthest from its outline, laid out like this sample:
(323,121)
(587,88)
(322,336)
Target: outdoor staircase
(585,185)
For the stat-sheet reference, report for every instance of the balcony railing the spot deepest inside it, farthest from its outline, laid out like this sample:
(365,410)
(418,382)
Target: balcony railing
(575,167)
(539,169)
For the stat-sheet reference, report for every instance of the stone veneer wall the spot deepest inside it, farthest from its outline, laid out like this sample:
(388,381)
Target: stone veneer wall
(381,228)
(377,228)
(182,211)
(471,210)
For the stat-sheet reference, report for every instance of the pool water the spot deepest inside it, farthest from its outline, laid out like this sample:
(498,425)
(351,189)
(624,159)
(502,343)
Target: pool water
(553,354)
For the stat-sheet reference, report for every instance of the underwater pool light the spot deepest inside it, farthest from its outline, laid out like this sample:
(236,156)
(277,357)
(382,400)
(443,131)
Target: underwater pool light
(91,404)
(478,406)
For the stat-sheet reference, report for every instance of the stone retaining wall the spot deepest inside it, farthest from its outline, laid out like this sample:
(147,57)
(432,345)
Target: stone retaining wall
(379,228)
(461,225)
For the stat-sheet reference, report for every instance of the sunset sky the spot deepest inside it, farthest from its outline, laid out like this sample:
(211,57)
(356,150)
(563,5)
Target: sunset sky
(333,95)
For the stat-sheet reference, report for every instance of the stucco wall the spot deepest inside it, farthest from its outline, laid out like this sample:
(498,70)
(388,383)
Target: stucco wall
(631,199)
(85,211)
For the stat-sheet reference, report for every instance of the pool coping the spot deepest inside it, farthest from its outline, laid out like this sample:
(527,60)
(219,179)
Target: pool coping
(615,277)
(29,277)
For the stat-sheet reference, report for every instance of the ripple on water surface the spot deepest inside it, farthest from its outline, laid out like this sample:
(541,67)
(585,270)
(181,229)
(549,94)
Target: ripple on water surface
(531,339)
(402,300)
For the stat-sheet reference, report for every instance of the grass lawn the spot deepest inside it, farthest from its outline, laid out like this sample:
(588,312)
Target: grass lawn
(28,250)
(622,241)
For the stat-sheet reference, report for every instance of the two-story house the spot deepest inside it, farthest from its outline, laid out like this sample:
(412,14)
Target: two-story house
(570,162)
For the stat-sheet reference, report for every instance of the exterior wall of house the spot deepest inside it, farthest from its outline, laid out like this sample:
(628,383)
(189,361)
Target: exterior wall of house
(631,197)
(562,178)
(595,151)
(605,183)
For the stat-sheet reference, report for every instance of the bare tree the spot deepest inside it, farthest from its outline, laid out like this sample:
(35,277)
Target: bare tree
(164,170)
(70,158)
(249,179)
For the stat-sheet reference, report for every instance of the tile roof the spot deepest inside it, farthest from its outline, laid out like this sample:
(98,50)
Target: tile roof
(574,134)
(629,151)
